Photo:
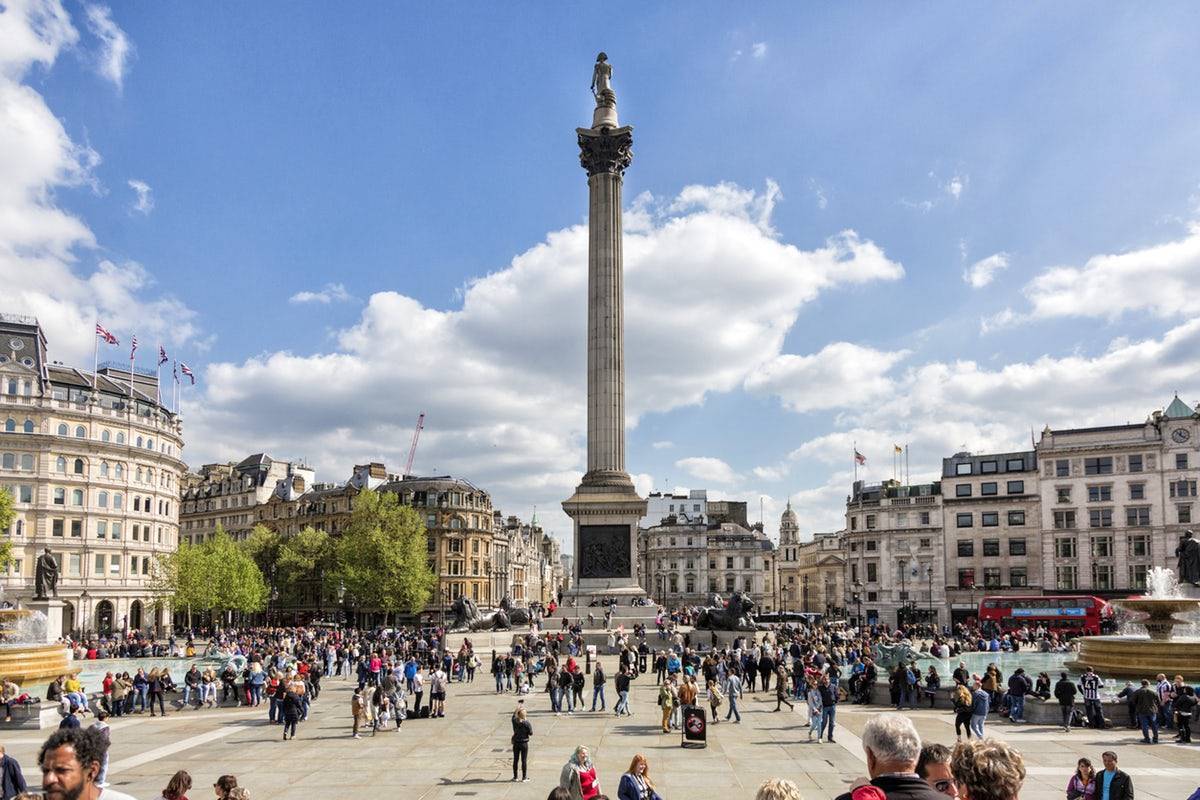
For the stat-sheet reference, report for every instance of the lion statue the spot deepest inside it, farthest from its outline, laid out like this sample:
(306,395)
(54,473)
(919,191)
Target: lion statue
(468,617)
(890,655)
(736,615)
(516,616)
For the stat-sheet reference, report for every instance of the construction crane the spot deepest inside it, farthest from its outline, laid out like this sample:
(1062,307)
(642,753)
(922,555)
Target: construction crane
(412,450)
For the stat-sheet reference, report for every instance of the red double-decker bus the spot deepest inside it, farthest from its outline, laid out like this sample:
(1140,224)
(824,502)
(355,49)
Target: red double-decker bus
(1069,614)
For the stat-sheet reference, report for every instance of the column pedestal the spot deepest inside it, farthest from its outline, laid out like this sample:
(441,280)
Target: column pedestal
(53,609)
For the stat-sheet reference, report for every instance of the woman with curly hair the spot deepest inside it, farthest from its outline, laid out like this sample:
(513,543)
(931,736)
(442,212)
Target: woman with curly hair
(987,769)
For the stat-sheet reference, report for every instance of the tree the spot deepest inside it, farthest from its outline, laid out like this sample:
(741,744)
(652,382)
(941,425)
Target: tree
(381,555)
(304,557)
(215,576)
(182,579)
(7,515)
(262,545)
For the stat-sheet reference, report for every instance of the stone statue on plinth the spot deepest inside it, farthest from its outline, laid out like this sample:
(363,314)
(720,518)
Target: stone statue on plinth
(1188,555)
(45,576)
(602,82)
(736,615)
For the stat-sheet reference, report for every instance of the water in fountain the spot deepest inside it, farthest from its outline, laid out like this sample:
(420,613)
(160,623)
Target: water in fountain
(1161,584)
(30,629)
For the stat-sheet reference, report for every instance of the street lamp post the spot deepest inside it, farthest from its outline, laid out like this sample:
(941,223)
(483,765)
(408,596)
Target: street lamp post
(929,577)
(804,584)
(903,590)
(858,589)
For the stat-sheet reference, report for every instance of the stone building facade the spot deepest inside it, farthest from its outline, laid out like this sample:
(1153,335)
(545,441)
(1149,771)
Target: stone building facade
(684,564)
(94,464)
(820,586)
(232,494)
(993,537)
(894,553)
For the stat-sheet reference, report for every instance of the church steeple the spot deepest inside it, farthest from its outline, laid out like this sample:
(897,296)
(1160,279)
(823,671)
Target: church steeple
(789,529)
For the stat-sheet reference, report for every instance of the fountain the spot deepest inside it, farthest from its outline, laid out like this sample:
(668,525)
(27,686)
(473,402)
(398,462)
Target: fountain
(1163,649)
(26,658)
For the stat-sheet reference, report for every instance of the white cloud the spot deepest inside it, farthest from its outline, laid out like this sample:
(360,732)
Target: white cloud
(331,293)
(819,192)
(115,49)
(983,272)
(514,420)
(1158,280)
(1006,318)
(144,203)
(841,374)
(708,469)
(663,445)
(759,50)
(775,473)
(956,185)
(41,242)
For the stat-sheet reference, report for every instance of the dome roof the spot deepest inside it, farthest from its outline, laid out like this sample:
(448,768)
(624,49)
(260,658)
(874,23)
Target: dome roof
(789,517)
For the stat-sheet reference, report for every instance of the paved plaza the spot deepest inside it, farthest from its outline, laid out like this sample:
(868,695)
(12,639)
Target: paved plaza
(467,753)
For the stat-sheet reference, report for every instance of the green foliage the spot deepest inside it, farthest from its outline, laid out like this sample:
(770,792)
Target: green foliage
(7,515)
(304,557)
(215,575)
(381,555)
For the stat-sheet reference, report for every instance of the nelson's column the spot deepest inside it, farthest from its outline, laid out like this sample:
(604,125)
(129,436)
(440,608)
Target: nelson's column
(605,507)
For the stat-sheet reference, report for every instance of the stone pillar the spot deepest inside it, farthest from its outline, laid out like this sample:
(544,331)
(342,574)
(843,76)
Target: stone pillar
(605,507)
(53,609)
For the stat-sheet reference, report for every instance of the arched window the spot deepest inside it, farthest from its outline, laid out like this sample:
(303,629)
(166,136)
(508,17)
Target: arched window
(78,466)
(60,464)
(102,499)
(10,425)
(10,461)
(29,426)
(120,470)
(105,435)
(455,523)
(63,430)
(20,527)
(149,475)
(137,503)
(146,505)
(139,441)
(118,500)
(27,462)
(27,388)
(150,444)
(120,437)
(77,497)
(12,385)
(80,432)
(139,475)
(60,496)
(103,469)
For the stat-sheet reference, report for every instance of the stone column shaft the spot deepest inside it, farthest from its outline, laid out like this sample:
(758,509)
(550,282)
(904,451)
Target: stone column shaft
(606,346)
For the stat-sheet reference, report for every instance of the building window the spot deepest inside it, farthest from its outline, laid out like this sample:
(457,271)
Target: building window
(60,465)
(728,562)
(989,488)
(60,496)
(990,519)
(1064,519)
(1184,488)
(1016,547)
(1064,494)
(854,573)
(56,527)
(1066,577)
(962,490)
(1102,546)
(1016,518)
(116,530)
(924,517)
(872,572)
(1185,513)
(962,469)
(991,548)
(966,578)
(991,577)
(1139,545)
(1062,468)
(1102,465)
(1137,576)
(1181,460)
(871,545)
(925,543)
(1017,577)
(1016,487)
(77,497)
(988,467)
(870,522)
(964,520)
(1064,547)
(1135,463)
(746,562)
(966,548)
(1137,517)
(1102,576)
(77,467)
(854,523)
(1100,494)
(98,568)
(1100,518)
(114,565)
(1014,464)
(729,583)
(1137,491)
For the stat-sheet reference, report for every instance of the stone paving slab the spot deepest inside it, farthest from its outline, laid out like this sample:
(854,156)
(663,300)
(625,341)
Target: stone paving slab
(467,754)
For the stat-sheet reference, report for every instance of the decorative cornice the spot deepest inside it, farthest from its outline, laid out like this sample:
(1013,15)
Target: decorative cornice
(605,151)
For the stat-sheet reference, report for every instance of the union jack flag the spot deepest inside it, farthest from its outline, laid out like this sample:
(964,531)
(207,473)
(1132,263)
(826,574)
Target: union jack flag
(133,349)
(187,371)
(162,356)
(108,337)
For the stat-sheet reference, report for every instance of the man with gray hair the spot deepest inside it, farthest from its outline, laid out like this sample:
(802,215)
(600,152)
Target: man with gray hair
(892,746)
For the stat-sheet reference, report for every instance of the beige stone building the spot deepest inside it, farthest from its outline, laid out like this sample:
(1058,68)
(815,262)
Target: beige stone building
(820,586)
(993,536)
(232,494)
(94,463)
(894,553)
(684,564)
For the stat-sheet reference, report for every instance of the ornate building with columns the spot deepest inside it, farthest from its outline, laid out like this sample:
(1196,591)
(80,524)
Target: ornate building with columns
(94,464)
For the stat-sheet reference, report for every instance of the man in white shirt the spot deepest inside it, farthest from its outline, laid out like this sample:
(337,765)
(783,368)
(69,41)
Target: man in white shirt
(70,760)
(437,693)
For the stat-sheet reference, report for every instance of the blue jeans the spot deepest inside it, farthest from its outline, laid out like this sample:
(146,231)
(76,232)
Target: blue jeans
(598,691)
(140,698)
(187,694)
(499,682)
(256,693)
(977,721)
(1149,723)
(733,709)
(570,696)
(1016,708)
(274,709)
(828,718)
(623,704)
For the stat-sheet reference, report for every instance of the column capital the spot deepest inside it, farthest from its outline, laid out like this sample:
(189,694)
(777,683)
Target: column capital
(605,150)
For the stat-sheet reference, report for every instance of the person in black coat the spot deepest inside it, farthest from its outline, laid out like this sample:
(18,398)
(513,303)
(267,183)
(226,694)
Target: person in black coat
(1120,785)
(293,707)
(1064,692)
(522,731)
(12,782)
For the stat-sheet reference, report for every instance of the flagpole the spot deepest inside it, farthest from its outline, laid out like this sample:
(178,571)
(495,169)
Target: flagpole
(158,381)
(907,471)
(854,458)
(95,358)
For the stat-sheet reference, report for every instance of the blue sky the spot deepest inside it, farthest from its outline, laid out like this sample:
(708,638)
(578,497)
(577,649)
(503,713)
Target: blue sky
(937,225)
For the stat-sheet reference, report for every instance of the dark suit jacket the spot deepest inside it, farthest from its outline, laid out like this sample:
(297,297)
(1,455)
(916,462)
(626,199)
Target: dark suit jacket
(1121,787)
(12,782)
(904,787)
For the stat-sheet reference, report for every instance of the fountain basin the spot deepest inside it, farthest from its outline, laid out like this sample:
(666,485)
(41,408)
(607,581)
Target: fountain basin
(1159,620)
(1138,656)
(30,666)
